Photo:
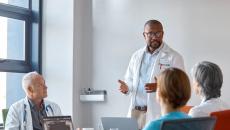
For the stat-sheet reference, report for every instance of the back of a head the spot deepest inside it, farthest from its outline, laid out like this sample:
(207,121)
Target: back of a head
(209,77)
(29,79)
(174,87)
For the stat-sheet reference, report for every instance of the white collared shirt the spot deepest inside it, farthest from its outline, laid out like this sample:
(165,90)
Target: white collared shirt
(207,107)
(147,64)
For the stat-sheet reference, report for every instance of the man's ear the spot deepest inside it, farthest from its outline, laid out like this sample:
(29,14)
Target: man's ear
(197,88)
(30,89)
(144,34)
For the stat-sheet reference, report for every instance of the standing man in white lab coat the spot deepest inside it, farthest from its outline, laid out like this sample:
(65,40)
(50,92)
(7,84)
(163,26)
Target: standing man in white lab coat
(145,64)
(27,113)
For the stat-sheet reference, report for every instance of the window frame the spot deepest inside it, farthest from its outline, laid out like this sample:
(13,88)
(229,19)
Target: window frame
(32,16)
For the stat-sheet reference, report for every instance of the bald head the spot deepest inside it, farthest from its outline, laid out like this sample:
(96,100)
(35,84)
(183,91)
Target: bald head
(153,22)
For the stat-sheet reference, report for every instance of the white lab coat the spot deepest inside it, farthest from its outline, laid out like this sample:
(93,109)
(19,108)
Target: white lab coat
(166,58)
(19,115)
(207,107)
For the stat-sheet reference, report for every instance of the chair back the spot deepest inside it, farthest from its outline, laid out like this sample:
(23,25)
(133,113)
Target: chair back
(4,114)
(222,119)
(200,123)
(185,109)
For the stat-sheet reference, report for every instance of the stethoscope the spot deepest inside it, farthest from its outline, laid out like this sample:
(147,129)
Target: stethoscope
(47,108)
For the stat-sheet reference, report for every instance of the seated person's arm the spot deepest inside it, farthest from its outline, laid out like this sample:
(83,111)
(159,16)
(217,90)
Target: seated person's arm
(12,119)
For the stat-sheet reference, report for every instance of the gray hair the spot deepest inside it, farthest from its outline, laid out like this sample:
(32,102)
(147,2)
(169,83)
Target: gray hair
(29,79)
(209,77)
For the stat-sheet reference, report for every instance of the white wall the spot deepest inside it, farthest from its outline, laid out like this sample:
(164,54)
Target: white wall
(66,66)
(199,30)
(88,43)
(58,52)
(82,60)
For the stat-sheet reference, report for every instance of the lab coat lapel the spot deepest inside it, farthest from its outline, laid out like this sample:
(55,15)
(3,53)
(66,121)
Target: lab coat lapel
(137,72)
(29,124)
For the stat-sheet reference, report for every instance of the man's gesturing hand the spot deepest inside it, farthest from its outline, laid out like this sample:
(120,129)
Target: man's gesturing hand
(123,87)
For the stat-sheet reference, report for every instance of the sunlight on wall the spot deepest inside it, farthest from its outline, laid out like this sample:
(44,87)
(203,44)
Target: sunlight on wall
(3,54)
(4,1)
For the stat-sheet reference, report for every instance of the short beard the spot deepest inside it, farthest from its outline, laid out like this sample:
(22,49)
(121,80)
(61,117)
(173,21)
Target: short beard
(151,48)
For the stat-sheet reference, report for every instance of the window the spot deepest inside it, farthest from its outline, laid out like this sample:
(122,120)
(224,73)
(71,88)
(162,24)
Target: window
(20,46)
(12,36)
(20,3)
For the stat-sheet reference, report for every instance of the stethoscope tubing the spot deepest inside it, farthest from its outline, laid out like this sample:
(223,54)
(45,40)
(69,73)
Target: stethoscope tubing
(47,108)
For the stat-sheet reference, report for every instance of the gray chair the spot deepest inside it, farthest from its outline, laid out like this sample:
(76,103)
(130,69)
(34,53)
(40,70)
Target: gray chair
(122,123)
(4,115)
(200,123)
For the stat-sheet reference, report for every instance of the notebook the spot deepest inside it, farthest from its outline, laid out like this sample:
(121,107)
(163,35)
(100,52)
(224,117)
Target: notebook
(120,123)
(58,123)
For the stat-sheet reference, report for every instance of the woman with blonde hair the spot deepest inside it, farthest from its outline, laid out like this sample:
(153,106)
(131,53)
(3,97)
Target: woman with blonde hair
(173,92)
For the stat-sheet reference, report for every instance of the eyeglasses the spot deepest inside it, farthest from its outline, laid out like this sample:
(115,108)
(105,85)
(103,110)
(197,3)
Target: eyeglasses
(153,34)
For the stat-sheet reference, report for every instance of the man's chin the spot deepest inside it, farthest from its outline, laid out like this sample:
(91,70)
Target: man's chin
(155,45)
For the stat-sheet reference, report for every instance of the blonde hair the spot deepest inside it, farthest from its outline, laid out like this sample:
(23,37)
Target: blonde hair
(174,87)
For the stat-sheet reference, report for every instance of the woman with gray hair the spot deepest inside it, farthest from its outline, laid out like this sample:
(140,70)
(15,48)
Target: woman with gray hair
(207,82)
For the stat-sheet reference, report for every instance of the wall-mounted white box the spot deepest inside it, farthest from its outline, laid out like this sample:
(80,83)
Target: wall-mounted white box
(92,97)
(97,95)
